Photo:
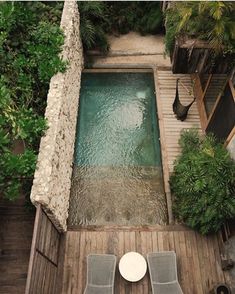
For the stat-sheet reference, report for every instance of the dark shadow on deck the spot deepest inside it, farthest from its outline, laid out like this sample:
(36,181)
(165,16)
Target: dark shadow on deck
(16,230)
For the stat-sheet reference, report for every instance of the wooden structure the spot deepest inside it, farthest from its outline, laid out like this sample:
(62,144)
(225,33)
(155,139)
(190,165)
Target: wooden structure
(16,232)
(44,258)
(216,104)
(198,257)
(195,56)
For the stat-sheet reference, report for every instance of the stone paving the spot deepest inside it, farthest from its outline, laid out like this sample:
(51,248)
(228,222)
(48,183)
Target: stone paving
(134,50)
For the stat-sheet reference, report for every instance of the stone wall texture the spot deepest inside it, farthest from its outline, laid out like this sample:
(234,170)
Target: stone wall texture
(52,179)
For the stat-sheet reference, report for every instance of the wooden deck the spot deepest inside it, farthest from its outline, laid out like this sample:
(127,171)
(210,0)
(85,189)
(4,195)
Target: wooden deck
(198,258)
(16,230)
(166,84)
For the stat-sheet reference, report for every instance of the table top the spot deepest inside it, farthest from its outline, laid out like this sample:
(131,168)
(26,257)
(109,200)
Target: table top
(132,266)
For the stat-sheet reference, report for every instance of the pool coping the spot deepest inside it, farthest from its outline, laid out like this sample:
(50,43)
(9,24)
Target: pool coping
(164,158)
(113,69)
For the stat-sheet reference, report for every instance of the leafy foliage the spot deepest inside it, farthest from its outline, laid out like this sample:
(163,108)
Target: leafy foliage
(30,41)
(97,19)
(144,17)
(92,20)
(203,183)
(213,21)
(150,21)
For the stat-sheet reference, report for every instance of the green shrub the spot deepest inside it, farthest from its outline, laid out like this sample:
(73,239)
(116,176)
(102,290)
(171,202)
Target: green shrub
(30,43)
(150,20)
(203,183)
(141,16)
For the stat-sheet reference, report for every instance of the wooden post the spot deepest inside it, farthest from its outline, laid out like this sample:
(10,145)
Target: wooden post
(199,94)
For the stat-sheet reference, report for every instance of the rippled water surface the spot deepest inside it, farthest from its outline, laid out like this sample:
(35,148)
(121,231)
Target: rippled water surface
(117,175)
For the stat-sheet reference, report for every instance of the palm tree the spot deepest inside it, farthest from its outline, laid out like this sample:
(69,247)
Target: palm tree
(92,19)
(213,21)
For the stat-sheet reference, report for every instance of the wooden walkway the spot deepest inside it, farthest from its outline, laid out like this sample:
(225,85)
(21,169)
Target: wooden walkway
(166,84)
(198,258)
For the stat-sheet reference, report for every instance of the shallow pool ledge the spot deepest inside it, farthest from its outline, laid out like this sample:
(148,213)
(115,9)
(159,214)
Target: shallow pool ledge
(51,186)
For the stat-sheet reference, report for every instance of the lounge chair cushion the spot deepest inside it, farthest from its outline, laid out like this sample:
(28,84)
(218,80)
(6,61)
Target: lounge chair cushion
(100,273)
(163,272)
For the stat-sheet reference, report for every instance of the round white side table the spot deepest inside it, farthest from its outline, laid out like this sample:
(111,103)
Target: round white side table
(132,266)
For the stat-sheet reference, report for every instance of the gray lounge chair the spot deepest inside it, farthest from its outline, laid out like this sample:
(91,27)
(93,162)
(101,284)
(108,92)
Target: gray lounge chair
(163,273)
(100,274)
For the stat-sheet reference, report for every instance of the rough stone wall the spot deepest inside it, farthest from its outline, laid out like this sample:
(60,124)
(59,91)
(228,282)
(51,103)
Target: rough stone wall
(51,186)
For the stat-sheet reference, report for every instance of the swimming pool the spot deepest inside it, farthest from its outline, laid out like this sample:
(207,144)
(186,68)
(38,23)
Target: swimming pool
(117,175)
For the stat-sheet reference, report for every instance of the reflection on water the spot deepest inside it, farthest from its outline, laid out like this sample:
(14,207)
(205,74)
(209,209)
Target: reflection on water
(117,175)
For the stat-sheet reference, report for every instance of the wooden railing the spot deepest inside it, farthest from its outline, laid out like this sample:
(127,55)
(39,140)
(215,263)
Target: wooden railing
(216,105)
(43,264)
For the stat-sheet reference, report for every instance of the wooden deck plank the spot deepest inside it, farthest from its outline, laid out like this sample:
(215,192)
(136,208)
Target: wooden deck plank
(134,286)
(221,273)
(217,273)
(189,255)
(144,251)
(160,241)
(184,261)
(198,257)
(179,256)
(165,236)
(82,261)
(171,241)
(127,248)
(121,251)
(201,260)
(154,236)
(193,263)
(166,82)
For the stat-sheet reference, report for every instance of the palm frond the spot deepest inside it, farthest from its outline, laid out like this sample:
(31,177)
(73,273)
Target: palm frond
(88,31)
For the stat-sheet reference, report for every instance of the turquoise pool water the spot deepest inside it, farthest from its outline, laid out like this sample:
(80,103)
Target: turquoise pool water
(117,123)
(117,174)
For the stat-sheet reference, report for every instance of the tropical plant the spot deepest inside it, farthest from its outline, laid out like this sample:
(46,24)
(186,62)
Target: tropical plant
(213,21)
(141,16)
(98,19)
(203,183)
(30,43)
(150,19)
(92,20)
